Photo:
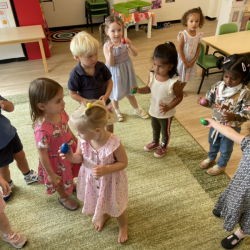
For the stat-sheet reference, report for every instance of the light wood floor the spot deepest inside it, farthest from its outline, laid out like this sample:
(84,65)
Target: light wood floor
(16,77)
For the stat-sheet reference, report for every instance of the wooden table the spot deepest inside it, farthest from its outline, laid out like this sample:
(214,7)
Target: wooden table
(26,34)
(229,44)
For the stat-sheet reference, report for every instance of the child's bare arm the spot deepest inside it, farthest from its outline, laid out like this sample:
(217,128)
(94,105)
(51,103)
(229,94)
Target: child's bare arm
(74,95)
(108,91)
(180,50)
(131,48)
(144,90)
(196,54)
(108,53)
(121,163)
(7,106)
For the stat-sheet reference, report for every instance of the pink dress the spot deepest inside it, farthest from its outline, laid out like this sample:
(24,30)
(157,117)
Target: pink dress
(108,194)
(52,136)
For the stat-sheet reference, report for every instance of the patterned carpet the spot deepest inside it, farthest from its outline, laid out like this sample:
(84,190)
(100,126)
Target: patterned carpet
(170,199)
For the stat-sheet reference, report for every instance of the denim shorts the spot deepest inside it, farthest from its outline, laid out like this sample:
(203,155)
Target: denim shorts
(7,153)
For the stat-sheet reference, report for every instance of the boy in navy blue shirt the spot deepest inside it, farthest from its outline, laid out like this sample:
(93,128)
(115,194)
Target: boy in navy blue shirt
(90,79)
(11,148)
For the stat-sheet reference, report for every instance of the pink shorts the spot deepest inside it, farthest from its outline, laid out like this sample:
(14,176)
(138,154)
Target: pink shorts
(2,203)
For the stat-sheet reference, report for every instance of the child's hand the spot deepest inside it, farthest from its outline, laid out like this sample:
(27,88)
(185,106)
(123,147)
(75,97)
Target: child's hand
(128,42)
(211,123)
(68,156)
(2,104)
(103,98)
(227,117)
(164,108)
(54,179)
(98,171)
(110,47)
(136,88)
(187,65)
(5,186)
(202,103)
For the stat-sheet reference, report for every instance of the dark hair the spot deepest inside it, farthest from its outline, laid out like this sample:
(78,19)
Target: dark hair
(236,63)
(168,53)
(41,90)
(103,28)
(192,11)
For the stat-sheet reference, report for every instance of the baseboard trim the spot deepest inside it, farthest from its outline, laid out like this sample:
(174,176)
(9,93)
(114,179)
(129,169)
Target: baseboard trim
(211,18)
(19,59)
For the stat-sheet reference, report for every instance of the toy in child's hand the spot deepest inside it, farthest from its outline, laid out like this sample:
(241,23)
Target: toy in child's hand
(203,101)
(123,40)
(65,148)
(203,122)
(58,181)
(133,91)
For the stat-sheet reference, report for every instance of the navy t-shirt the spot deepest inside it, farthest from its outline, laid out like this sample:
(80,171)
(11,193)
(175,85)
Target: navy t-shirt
(90,87)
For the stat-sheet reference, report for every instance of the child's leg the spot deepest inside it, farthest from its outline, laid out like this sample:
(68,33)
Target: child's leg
(137,111)
(123,228)
(4,223)
(156,127)
(65,200)
(5,173)
(118,112)
(99,224)
(165,131)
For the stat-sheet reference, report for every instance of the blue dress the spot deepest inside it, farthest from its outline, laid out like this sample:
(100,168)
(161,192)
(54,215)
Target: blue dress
(123,73)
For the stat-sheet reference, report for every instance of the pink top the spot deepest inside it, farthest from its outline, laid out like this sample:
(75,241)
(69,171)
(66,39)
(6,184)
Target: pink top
(52,136)
(108,194)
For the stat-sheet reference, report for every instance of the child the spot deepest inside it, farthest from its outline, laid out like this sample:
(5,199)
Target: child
(233,204)
(11,148)
(230,101)
(166,94)
(102,182)
(90,79)
(51,131)
(189,45)
(120,65)
(8,235)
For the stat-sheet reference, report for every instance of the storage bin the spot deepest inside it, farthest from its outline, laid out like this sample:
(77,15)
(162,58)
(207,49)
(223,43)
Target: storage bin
(125,8)
(143,6)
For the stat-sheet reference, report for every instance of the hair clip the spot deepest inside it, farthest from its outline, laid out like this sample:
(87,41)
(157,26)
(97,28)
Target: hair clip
(244,67)
(89,105)
(167,42)
(109,108)
(226,61)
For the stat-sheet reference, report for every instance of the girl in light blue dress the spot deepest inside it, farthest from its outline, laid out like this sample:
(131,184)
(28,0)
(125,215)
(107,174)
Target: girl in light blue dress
(120,65)
(189,45)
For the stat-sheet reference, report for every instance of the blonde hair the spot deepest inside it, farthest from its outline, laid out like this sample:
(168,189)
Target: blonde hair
(84,44)
(41,90)
(90,116)
(103,28)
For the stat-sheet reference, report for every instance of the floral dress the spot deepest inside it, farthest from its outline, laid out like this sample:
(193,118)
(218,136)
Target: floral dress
(108,194)
(52,136)
(189,49)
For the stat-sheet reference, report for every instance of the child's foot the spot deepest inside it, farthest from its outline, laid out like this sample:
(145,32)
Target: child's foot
(119,115)
(206,163)
(15,239)
(99,224)
(160,152)
(7,197)
(68,203)
(142,114)
(31,177)
(151,146)
(123,234)
(215,170)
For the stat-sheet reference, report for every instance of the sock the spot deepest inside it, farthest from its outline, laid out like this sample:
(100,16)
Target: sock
(27,173)
(239,234)
(137,110)
(117,111)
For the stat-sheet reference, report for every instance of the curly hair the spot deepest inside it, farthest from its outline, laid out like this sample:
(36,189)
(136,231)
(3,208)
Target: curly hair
(198,10)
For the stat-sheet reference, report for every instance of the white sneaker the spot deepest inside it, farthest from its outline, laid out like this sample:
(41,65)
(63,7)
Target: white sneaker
(142,114)
(31,177)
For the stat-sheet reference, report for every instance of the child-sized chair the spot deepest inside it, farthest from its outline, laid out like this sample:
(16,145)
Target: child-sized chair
(206,62)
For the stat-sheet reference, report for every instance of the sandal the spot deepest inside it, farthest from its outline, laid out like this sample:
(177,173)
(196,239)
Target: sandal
(217,213)
(227,242)
(68,203)
(119,115)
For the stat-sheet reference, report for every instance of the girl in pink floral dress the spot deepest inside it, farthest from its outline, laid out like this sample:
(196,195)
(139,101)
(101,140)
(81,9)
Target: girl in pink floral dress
(102,181)
(189,45)
(51,131)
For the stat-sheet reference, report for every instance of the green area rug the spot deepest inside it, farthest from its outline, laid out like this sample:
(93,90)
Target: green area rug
(170,199)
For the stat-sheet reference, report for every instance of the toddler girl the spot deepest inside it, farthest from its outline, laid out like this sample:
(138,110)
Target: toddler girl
(120,65)
(102,182)
(189,45)
(51,131)
(233,204)
(166,94)
(230,101)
